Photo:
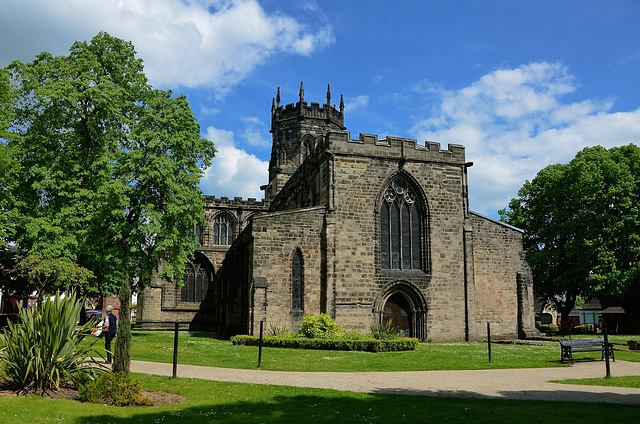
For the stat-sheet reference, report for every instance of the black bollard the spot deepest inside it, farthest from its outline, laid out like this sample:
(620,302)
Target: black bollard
(489,340)
(175,351)
(606,351)
(260,345)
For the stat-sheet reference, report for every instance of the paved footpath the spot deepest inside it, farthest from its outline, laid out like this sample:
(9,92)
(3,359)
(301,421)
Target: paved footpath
(530,383)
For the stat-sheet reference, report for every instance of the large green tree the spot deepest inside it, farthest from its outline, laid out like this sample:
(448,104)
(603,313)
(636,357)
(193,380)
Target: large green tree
(582,226)
(107,168)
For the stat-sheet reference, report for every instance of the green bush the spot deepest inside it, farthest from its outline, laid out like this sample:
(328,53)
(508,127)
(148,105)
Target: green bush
(366,344)
(322,327)
(116,389)
(276,329)
(42,350)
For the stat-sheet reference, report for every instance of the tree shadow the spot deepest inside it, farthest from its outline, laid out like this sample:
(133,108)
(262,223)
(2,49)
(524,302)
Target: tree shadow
(333,407)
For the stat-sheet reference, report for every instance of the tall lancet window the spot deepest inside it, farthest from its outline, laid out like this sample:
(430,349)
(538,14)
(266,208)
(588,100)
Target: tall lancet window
(297,282)
(399,228)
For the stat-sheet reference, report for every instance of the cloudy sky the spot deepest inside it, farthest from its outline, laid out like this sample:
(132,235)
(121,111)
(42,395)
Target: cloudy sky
(520,84)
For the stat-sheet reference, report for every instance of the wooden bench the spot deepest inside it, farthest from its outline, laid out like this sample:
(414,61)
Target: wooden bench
(582,345)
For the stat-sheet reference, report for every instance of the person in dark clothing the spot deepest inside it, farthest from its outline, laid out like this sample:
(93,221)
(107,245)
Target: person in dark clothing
(111,328)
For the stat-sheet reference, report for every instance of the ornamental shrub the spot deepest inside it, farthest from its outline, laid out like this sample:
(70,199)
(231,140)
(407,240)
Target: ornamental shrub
(322,327)
(116,389)
(385,331)
(362,344)
(42,350)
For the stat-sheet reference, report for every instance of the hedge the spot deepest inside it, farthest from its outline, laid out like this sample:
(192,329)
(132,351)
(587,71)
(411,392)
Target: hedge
(365,344)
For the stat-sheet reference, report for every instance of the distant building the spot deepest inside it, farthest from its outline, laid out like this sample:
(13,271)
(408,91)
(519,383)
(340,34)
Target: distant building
(366,230)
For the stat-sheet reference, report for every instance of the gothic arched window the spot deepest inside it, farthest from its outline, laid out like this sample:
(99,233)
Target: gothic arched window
(196,282)
(399,228)
(297,282)
(223,230)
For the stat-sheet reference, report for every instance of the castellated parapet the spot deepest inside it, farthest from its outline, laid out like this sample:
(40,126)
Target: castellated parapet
(302,110)
(236,202)
(394,147)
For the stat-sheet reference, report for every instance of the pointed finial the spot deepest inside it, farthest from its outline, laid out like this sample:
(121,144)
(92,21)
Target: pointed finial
(273,104)
(301,92)
(341,103)
(328,94)
(278,97)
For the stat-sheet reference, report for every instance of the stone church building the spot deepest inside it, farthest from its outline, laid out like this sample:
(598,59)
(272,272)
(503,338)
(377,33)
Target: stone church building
(365,230)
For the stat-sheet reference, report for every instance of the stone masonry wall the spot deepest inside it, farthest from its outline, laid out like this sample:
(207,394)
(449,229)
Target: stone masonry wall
(362,169)
(497,261)
(276,236)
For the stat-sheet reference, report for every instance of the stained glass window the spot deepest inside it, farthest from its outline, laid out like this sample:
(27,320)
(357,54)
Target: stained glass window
(399,228)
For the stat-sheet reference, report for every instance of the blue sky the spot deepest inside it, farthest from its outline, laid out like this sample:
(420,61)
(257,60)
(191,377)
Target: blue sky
(520,84)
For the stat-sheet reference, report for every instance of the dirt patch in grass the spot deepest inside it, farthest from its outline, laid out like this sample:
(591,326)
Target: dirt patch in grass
(159,398)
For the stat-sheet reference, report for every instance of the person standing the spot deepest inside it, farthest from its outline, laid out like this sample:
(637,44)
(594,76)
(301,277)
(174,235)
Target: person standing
(110,331)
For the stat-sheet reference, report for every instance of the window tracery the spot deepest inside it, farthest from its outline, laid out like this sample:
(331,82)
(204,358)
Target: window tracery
(223,226)
(400,228)
(196,282)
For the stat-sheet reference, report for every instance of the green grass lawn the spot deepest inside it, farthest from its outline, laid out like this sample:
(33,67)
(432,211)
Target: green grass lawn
(202,349)
(218,402)
(625,381)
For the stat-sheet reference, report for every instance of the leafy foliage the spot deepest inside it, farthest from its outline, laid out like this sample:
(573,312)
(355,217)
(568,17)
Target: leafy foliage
(386,331)
(104,169)
(322,327)
(43,350)
(581,223)
(116,389)
(276,329)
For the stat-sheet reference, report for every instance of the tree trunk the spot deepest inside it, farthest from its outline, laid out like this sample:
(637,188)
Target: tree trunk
(122,353)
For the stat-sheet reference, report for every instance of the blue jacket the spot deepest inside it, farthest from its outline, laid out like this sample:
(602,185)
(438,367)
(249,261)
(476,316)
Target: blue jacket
(113,324)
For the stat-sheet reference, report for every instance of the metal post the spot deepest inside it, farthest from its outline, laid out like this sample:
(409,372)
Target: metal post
(606,351)
(260,345)
(489,340)
(175,351)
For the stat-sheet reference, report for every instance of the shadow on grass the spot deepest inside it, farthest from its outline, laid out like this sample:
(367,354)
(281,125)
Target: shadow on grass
(336,407)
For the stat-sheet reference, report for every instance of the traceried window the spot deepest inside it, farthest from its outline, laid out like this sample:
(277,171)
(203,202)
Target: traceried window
(196,283)
(399,228)
(297,282)
(223,230)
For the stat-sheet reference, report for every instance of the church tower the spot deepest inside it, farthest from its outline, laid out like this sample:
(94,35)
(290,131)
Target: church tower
(296,129)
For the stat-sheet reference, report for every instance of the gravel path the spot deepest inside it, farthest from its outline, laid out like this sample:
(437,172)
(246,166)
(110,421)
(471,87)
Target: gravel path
(530,383)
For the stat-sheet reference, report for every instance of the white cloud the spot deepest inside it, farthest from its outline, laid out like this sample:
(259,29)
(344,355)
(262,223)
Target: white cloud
(233,172)
(194,43)
(356,102)
(255,132)
(513,123)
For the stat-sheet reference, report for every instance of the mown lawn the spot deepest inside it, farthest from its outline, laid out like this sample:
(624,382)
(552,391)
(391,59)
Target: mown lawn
(217,402)
(220,402)
(202,349)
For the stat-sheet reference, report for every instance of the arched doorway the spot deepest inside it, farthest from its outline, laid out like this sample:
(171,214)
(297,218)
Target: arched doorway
(404,305)
(398,311)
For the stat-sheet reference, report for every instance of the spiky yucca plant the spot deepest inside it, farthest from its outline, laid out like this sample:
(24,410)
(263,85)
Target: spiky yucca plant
(42,350)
